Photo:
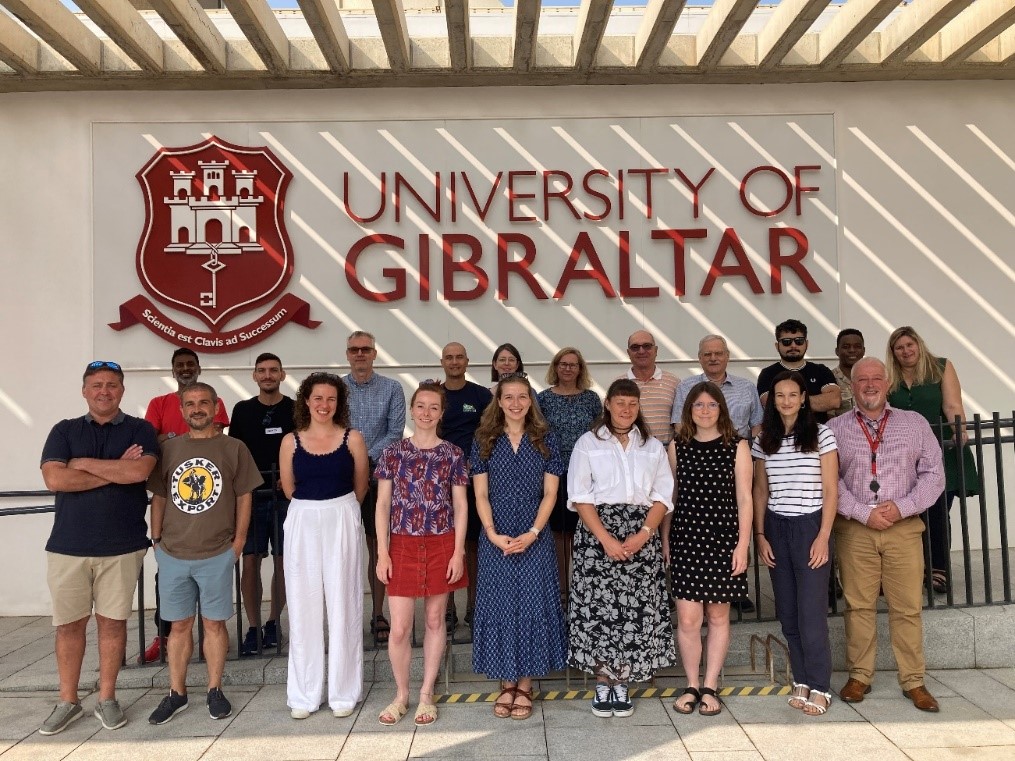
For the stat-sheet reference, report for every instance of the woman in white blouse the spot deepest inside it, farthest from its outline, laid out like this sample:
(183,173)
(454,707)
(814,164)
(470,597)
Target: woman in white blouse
(620,483)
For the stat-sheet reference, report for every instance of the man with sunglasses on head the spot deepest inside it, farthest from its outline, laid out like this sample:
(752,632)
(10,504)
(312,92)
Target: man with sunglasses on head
(658,387)
(97,465)
(260,422)
(823,393)
(377,411)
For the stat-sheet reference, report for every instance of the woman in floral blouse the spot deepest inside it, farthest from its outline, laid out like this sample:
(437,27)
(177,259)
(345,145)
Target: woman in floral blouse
(421,516)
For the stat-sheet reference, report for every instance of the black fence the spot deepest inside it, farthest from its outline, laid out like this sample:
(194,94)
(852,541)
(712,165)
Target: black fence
(971,581)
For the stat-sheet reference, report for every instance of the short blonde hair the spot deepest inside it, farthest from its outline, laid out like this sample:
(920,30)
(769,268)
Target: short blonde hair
(583,381)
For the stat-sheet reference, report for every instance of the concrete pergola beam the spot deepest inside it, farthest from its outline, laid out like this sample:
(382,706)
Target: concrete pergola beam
(459,40)
(260,26)
(196,31)
(790,22)
(329,30)
(916,24)
(62,30)
(721,27)
(850,26)
(18,48)
(593,16)
(655,31)
(394,32)
(526,31)
(129,30)
(973,28)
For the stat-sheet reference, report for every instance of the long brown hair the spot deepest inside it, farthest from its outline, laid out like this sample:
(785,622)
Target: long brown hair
(491,425)
(622,387)
(928,367)
(301,412)
(724,424)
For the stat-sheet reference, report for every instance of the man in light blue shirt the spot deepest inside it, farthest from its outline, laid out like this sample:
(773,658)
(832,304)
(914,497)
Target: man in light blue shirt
(377,411)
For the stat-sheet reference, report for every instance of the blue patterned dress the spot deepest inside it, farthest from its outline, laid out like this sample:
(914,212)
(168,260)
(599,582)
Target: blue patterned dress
(518,626)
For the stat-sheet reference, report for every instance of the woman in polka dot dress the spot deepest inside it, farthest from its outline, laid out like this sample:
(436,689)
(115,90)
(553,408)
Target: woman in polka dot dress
(706,539)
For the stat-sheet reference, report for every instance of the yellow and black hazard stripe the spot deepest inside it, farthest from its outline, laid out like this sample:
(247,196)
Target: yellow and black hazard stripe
(639,692)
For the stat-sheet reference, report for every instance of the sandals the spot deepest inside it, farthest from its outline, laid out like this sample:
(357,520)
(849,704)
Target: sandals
(687,708)
(798,699)
(380,628)
(706,691)
(520,712)
(426,713)
(816,709)
(503,710)
(939,582)
(393,713)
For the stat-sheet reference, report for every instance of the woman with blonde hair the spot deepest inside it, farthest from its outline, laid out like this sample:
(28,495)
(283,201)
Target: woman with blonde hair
(570,407)
(518,626)
(919,381)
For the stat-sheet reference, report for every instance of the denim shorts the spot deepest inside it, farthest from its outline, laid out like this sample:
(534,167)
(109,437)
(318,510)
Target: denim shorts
(183,582)
(262,530)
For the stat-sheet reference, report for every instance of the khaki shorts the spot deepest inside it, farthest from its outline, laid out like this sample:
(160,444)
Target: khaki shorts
(76,583)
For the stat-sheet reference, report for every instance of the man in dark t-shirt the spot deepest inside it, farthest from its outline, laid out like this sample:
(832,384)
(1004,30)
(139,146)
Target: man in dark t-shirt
(465,404)
(97,465)
(260,422)
(823,393)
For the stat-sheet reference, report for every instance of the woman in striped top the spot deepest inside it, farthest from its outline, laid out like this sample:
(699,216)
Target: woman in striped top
(796,478)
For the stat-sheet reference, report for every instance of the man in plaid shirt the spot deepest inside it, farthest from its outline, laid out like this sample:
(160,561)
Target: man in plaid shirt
(890,471)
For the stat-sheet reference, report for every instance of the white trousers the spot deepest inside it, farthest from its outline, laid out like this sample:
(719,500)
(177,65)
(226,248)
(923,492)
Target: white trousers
(323,563)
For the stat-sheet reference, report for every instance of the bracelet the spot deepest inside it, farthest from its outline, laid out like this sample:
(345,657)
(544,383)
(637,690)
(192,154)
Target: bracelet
(647,529)
(535,531)
(759,533)
(489,528)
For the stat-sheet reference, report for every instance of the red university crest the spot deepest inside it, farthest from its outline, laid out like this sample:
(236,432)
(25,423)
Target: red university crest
(214,244)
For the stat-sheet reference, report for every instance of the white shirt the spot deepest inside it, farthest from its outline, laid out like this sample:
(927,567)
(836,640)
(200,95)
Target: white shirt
(602,472)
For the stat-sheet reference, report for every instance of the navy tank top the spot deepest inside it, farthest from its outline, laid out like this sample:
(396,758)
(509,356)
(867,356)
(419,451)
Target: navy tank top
(323,476)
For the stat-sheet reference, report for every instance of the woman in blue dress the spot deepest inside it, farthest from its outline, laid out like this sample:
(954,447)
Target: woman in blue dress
(518,629)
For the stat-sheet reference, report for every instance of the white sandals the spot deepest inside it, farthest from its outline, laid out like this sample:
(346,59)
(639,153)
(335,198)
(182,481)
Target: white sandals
(799,696)
(816,709)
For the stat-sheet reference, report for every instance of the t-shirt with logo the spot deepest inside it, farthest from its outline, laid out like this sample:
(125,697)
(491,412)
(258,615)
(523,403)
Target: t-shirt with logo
(200,480)
(461,416)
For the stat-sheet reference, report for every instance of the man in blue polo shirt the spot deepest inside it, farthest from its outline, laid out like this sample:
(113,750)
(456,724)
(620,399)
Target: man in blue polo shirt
(97,465)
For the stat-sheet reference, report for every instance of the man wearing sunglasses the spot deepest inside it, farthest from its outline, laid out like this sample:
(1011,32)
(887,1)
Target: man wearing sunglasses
(260,422)
(376,410)
(658,387)
(823,393)
(97,465)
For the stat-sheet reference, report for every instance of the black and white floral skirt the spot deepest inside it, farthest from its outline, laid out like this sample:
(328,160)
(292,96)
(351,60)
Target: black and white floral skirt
(619,615)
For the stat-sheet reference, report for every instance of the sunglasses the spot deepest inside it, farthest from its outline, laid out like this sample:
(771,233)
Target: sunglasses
(359,349)
(104,363)
(640,347)
(791,341)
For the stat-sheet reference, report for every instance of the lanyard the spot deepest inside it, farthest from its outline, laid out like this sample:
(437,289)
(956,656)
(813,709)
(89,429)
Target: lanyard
(874,442)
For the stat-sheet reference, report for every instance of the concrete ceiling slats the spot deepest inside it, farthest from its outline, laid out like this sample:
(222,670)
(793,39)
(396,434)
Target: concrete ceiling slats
(18,48)
(916,24)
(973,28)
(192,26)
(395,33)
(721,27)
(851,25)
(129,30)
(61,30)
(459,41)
(655,31)
(329,30)
(593,16)
(790,22)
(258,23)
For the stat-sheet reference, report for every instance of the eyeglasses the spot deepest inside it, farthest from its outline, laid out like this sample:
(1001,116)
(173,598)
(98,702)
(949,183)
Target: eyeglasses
(104,363)
(359,349)
(790,341)
(640,347)
(568,365)
(711,406)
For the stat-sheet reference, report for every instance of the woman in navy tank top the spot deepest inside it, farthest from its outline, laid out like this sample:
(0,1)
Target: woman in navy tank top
(324,471)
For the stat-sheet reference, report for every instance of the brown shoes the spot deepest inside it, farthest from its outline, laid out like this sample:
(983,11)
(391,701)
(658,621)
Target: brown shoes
(922,699)
(854,690)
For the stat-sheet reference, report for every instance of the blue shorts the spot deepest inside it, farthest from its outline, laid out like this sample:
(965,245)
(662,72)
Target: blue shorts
(261,531)
(183,582)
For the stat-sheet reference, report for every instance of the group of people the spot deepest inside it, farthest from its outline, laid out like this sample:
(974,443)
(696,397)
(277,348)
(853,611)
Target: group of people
(571,521)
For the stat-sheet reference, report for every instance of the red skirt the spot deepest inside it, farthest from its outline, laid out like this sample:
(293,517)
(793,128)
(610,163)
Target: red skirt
(419,565)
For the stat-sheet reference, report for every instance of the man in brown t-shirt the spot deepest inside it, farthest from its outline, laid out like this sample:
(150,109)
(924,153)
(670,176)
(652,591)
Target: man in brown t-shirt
(200,513)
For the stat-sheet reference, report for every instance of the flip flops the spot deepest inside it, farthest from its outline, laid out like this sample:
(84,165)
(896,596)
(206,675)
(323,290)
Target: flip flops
(426,713)
(393,714)
(705,691)
(687,708)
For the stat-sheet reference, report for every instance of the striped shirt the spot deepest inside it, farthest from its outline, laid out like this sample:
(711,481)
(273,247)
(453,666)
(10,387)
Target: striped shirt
(657,395)
(794,477)
(910,467)
(741,399)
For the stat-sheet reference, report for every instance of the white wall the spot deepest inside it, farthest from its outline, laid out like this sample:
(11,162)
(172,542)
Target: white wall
(923,188)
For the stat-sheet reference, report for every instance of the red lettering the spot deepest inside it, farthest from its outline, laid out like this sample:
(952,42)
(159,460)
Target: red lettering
(434,212)
(648,186)
(778,173)
(559,194)
(470,265)
(628,291)
(678,237)
(583,245)
(396,274)
(800,189)
(348,207)
(778,260)
(514,195)
(424,267)
(519,267)
(620,195)
(453,193)
(485,208)
(607,204)
(695,189)
(731,242)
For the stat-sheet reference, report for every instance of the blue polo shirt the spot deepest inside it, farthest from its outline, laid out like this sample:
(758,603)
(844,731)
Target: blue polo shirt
(108,520)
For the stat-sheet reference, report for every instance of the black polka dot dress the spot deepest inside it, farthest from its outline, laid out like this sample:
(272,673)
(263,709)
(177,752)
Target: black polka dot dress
(705,528)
